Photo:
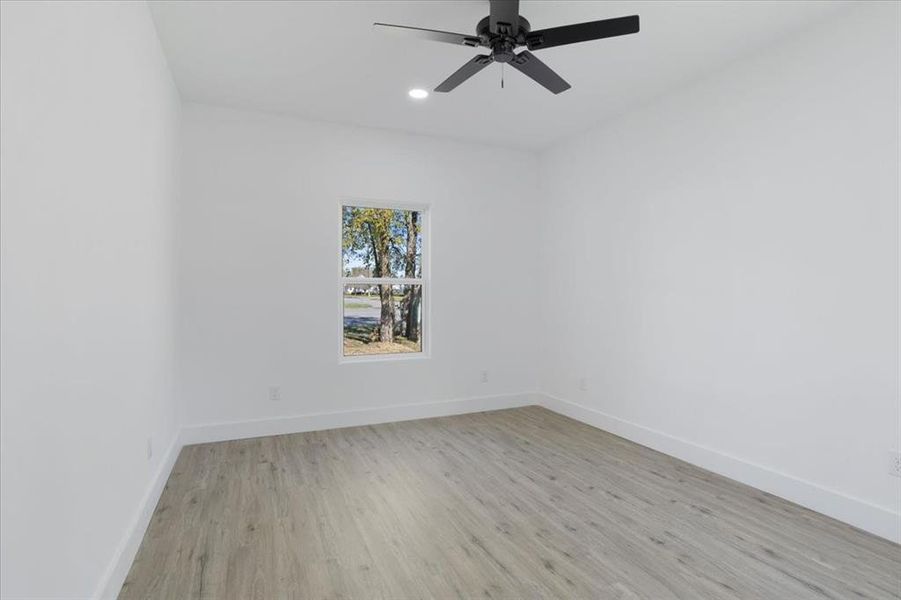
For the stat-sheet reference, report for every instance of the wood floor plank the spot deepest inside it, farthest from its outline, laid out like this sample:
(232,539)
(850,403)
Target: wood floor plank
(519,503)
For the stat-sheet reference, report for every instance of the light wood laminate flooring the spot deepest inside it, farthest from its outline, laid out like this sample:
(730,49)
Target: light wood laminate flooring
(520,503)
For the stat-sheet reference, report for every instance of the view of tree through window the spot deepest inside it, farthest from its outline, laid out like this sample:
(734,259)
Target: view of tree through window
(382,280)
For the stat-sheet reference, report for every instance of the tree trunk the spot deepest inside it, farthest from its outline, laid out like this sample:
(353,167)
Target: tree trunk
(405,314)
(411,297)
(386,321)
(412,313)
(381,258)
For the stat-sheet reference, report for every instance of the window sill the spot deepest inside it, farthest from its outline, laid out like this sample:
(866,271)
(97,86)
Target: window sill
(371,358)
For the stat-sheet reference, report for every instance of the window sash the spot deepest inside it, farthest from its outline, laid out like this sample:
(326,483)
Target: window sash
(424,329)
(424,211)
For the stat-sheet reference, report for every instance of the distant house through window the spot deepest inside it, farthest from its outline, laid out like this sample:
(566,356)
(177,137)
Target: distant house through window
(383,280)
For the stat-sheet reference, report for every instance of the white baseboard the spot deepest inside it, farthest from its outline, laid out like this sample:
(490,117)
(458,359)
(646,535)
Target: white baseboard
(236,430)
(854,511)
(117,571)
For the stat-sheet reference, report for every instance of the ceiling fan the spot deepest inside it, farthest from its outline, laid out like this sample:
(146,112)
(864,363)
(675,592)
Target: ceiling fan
(504,30)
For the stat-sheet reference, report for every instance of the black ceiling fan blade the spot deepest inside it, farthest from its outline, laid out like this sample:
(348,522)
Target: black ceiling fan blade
(433,35)
(581,32)
(479,62)
(528,63)
(504,17)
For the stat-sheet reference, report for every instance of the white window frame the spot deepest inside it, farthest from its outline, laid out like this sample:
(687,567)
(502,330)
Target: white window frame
(424,211)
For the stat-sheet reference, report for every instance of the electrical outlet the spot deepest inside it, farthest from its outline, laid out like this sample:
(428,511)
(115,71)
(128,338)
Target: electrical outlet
(894,465)
(484,376)
(583,384)
(275,393)
(149,448)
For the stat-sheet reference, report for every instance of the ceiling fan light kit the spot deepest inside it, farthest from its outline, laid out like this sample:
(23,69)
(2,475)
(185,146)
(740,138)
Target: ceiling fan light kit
(505,30)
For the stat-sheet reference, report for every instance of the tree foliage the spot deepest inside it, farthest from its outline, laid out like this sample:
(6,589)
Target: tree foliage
(366,231)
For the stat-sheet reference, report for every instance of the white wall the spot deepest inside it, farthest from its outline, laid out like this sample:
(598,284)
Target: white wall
(722,265)
(260,265)
(89,121)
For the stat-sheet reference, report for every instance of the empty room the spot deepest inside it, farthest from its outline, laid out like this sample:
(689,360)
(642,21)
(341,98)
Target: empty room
(492,299)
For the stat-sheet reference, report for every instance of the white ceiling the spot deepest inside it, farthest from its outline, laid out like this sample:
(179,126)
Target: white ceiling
(325,61)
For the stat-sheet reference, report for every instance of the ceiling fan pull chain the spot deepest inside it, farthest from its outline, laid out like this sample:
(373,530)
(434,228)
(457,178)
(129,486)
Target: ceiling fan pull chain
(502,75)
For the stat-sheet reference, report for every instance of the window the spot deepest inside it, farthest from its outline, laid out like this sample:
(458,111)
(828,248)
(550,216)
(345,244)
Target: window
(384,285)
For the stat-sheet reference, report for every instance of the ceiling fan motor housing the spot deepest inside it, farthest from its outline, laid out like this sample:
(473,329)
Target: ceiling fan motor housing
(503,42)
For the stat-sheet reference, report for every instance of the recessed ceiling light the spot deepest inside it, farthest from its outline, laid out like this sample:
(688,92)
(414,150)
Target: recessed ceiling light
(418,94)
